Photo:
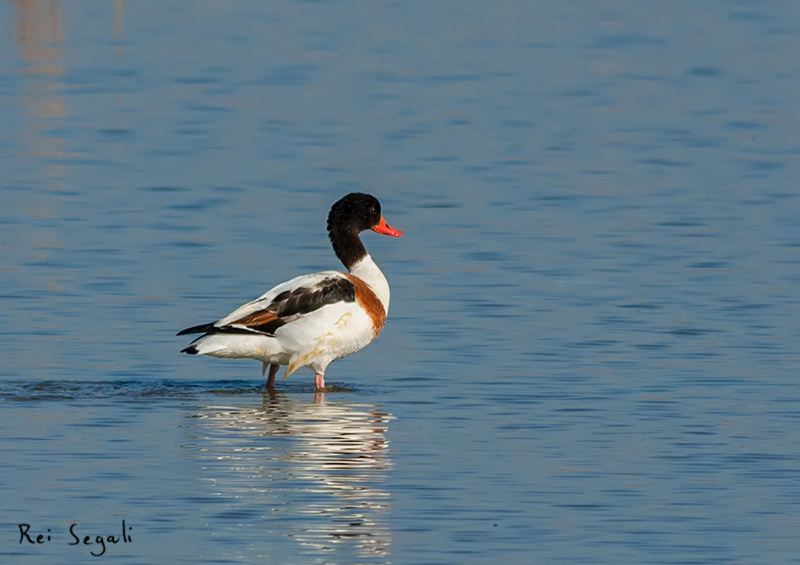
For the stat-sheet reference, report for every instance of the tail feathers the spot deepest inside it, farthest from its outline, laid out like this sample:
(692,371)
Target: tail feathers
(234,345)
(213,349)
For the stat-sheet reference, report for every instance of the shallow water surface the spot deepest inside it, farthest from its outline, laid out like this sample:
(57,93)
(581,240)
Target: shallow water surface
(591,352)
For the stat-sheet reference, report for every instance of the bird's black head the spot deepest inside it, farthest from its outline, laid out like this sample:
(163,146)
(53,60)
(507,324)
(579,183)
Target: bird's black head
(351,215)
(354,213)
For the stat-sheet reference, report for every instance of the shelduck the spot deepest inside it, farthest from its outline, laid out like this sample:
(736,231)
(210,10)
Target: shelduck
(314,319)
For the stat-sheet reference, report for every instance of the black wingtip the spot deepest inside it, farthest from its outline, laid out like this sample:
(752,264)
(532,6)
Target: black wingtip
(191,350)
(202,328)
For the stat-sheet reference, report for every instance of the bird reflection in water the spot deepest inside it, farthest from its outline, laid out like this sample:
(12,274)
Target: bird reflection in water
(312,471)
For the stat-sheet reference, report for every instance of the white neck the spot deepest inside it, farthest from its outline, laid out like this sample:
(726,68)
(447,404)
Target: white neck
(368,271)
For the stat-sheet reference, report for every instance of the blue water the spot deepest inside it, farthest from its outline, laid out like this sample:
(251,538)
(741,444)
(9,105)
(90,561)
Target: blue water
(592,350)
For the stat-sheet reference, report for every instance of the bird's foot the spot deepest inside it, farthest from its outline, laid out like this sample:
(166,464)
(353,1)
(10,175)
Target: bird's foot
(273,371)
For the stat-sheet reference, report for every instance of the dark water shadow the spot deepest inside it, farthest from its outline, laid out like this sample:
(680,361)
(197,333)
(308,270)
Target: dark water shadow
(21,391)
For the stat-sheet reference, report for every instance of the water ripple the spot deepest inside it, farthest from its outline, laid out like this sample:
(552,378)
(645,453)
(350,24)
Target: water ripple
(15,390)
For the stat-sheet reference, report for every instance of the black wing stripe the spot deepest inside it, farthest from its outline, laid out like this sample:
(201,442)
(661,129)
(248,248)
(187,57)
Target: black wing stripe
(284,308)
(306,300)
(288,306)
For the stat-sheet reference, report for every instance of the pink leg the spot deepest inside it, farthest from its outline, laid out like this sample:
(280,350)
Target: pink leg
(273,370)
(319,381)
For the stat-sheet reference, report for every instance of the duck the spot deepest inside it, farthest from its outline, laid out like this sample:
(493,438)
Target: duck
(311,320)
